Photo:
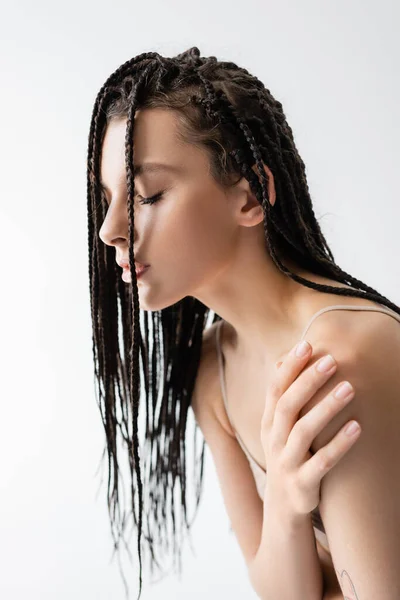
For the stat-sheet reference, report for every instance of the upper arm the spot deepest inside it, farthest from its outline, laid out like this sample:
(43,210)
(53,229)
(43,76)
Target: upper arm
(242,502)
(359,504)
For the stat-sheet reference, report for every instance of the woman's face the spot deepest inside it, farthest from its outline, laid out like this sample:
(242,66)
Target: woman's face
(189,234)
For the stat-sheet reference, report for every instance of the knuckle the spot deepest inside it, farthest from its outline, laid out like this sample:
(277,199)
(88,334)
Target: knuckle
(302,428)
(275,389)
(311,378)
(323,460)
(283,407)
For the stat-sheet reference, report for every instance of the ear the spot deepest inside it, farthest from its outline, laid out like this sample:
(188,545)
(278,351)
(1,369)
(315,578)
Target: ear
(271,182)
(247,209)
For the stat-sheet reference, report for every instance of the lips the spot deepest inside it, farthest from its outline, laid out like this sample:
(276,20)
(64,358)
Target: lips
(138,269)
(124,263)
(126,273)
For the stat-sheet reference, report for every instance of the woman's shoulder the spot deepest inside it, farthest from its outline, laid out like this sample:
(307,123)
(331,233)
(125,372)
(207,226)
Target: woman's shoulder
(207,371)
(207,389)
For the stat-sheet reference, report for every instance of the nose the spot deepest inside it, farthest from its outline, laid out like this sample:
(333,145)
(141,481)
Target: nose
(115,227)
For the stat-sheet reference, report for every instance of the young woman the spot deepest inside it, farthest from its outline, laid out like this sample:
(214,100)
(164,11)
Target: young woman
(198,206)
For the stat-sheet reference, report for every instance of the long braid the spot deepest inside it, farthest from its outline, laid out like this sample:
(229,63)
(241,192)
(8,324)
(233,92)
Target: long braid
(242,126)
(266,205)
(136,337)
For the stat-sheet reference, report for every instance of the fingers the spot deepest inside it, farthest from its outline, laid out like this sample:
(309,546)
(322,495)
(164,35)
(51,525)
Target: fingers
(327,457)
(289,369)
(286,372)
(295,398)
(306,429)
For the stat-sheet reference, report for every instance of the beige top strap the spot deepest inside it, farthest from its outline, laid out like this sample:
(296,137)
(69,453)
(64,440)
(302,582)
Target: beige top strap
(385,310)
(382,309)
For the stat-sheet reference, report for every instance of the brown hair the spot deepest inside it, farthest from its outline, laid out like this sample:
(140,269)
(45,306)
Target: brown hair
(227,111)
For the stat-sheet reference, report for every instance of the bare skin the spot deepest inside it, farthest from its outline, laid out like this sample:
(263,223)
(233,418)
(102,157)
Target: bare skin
(203,241)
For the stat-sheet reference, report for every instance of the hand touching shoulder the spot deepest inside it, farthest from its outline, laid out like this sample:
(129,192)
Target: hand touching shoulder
(359,503)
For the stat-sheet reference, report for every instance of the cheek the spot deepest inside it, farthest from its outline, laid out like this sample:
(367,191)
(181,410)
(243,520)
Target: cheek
(199,236)
(187,248)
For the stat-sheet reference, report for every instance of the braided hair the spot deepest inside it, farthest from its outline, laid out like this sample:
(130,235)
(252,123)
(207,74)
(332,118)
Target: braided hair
(224,109)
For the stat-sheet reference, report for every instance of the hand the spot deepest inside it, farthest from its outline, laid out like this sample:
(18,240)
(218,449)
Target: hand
(294,474)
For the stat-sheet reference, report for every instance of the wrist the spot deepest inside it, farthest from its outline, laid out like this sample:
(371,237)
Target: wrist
(286,564)
(285,517)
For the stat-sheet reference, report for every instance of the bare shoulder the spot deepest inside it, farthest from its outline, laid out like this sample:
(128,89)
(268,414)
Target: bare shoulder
(349,337)
(351,330)
(207,394)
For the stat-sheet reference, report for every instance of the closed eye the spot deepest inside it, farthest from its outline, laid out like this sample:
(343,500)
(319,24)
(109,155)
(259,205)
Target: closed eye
(151,199)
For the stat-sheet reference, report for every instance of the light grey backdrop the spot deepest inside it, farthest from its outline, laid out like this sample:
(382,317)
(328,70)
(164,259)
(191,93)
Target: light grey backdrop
(335,68)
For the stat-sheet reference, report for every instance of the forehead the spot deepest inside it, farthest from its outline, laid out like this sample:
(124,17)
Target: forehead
(155,139)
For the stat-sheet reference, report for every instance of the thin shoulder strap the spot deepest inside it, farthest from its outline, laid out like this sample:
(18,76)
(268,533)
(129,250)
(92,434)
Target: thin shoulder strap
(384,309)
(224,396)
(221,368)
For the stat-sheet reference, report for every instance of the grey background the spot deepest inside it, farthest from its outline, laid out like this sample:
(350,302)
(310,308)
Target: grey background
(335,68)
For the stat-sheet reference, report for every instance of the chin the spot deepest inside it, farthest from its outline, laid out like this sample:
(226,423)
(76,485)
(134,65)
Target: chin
(149,301)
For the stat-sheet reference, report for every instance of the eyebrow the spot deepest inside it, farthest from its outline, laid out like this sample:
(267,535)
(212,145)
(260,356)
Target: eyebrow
(150,167)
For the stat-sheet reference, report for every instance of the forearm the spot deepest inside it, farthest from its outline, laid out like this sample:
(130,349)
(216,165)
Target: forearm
(286,565)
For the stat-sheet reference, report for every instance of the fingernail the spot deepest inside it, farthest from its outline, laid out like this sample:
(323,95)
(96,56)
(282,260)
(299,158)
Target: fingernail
(302,349)
(326,364)
(352,428)
(343,391)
